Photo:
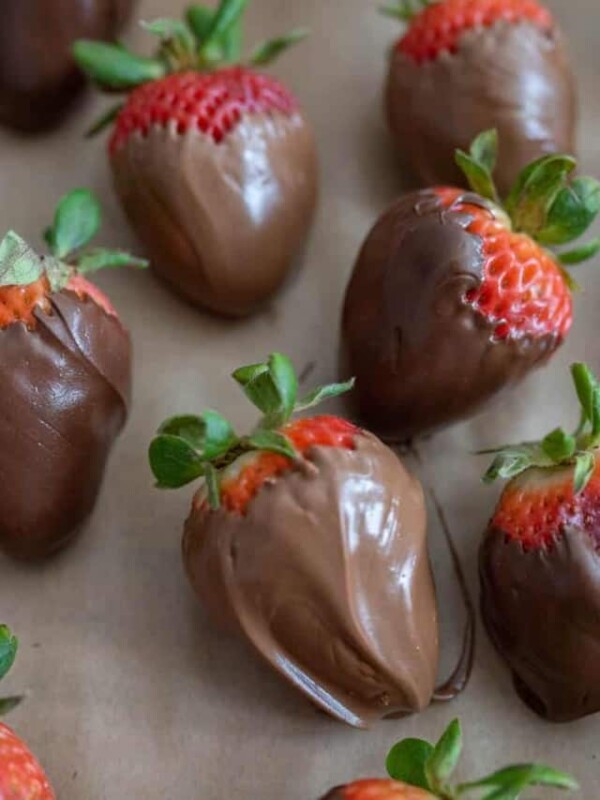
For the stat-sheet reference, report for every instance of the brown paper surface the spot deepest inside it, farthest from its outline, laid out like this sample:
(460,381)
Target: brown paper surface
(132,692)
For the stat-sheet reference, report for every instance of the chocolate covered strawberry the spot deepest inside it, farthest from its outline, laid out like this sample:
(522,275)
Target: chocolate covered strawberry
(212,158)
(463,66)
(540,563)
(455,294)
(422,771)
(39,79)
(21,776)
(308,538)
(65,371)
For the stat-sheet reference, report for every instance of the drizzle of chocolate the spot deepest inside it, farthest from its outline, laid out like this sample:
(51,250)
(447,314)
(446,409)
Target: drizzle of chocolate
(457,682)
(65,397)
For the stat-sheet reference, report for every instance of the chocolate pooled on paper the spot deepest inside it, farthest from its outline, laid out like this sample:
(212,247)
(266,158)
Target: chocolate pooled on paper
(65,367)
(454,296)
(39,79)
(489,71)
(309,539)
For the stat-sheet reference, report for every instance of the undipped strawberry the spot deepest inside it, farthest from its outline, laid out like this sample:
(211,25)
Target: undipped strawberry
(455,294)
(308,538)
(422,771)
(65,372)
(540,563)
(212,159)
(21,776)
(463,66)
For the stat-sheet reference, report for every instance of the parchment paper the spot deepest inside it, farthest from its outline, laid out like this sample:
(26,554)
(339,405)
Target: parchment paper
(133,693)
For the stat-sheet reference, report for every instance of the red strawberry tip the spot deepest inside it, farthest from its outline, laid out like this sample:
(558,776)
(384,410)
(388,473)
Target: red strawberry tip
(188,447)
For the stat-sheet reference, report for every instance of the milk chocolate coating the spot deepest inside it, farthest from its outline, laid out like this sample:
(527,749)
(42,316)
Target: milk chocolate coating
(542,611)
(328,577)
(38,76)
(514,77)
(422,356)
(222,222)
(65,396)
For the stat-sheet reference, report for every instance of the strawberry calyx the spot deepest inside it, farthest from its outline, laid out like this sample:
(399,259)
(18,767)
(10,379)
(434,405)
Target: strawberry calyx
(8,652)
(558,449)
(205,40)
(406,10)
(420,764)
(544,203)
(76,222)
(189,447)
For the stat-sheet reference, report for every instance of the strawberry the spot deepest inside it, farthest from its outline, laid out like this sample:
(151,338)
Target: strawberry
(466,65)
(421,771)
(65,371)
(39,82)
(224,146)
(308,538)
(540,563)
(21,776)
(454,294)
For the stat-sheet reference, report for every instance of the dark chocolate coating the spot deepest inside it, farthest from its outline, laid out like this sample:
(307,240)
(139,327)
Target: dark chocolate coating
(65,397)
(422,356)
(514,77)
(542,611)
(38,77)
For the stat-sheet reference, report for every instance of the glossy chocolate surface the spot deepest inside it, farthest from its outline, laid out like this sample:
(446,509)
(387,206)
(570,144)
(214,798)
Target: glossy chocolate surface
(542,611)
(38,77)
(223,222)
(512,76)
(65,396)
(328,577)
(422,356)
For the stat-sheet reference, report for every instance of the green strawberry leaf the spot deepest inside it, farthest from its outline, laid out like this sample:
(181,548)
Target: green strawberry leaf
(405,10)
(19,264)
(268,51)
(8,703)
(507,464)
(572,212)
(535,191)
(101,258)
(174,462)
(210,434)
(580,254)
(322,393)
(484,149)
(227,15)
(585,386)
(104,120)
(584,469)
(525,775)
(480,179)
(76,221)
(213,487)
(559,446)
(114,67)
(273,442)
(8,650)
(272,387)
(200,19)
(172,30)
(443,760)
(406,762)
